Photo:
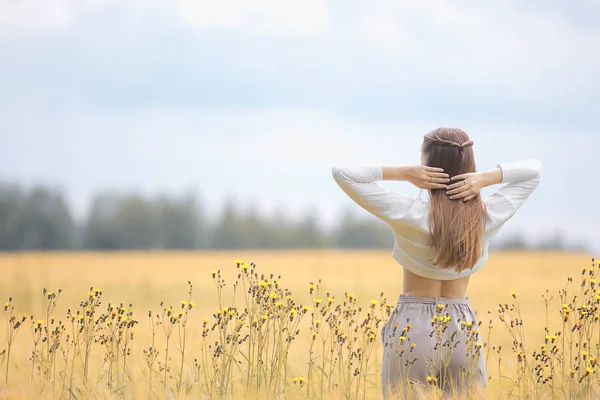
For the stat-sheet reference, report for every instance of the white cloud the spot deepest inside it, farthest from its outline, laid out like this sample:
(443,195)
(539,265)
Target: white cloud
(500,46)
(34,14)
(269,17)
(265,17)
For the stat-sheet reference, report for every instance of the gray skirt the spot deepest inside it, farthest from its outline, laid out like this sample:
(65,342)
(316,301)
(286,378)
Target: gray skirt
(432,341)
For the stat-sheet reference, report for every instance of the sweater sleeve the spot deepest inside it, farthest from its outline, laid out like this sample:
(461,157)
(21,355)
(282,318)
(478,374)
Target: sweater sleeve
(521,178)
(359,183)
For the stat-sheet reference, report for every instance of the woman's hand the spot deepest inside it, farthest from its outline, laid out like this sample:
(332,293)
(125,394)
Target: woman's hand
(469,186)
(428,178)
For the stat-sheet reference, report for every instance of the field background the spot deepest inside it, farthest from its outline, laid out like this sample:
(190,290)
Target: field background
(146,279)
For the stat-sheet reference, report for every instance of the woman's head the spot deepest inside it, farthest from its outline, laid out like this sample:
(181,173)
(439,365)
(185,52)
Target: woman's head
(457,227)
(449,149)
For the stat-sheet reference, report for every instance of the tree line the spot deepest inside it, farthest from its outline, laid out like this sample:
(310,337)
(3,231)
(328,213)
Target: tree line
(40,218)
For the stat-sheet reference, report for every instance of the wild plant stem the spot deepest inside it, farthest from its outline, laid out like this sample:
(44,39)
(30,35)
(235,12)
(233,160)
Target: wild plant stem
(8,361)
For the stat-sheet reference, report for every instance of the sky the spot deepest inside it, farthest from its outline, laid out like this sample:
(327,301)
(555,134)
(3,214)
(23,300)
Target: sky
(255,101)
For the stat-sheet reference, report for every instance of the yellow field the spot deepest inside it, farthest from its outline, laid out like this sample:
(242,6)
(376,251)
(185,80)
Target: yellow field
(147,279)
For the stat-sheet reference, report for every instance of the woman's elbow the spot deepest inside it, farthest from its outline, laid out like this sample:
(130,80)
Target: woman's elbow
(338,174)
(537,170)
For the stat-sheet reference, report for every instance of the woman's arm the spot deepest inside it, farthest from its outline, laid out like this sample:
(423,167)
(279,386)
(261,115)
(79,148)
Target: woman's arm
(521,178)
(359,183)
(421,176)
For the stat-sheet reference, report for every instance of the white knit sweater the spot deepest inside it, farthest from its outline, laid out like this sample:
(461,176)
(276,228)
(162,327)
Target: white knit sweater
(408,217)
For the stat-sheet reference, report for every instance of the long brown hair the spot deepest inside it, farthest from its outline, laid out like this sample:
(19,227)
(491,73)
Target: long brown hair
(457,227)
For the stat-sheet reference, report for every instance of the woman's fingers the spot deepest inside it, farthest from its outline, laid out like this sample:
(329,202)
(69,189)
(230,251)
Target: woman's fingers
(433,169)
(469,197)
(456,190)
(459,177)
(457,185)
(462,195)
(439,175)
(439,180)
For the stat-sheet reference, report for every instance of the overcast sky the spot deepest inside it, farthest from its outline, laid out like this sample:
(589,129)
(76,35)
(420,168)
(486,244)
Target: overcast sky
(256,100)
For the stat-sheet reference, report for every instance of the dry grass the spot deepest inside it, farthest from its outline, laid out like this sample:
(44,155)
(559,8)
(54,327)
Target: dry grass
(147,279)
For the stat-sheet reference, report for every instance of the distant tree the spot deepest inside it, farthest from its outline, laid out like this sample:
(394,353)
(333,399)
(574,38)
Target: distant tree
(37,219)
(515,242)
(139,223)
(308,234)
(12,212)
(227,231)
(178,223)
(281,228)
(203,227)
(102,229)
(554,241)
(362,233)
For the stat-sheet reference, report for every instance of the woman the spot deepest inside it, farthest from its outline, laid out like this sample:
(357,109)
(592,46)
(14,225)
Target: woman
(440,240)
